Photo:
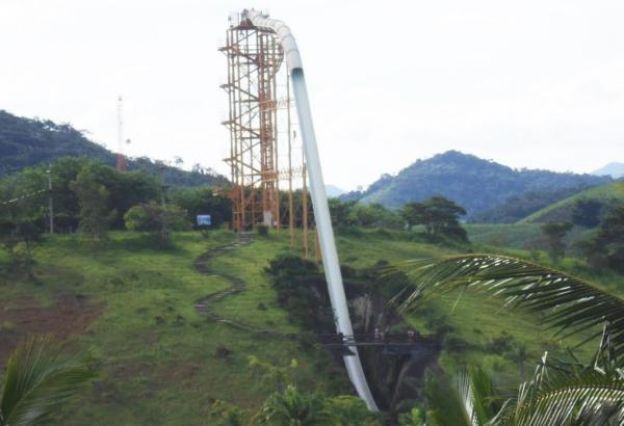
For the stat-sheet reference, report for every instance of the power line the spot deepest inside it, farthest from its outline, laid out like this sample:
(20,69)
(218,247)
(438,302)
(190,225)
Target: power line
(22,197)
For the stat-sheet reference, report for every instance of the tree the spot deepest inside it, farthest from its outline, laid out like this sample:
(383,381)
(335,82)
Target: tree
(340,211)
(301,290)
(606,249)
(587,212)
(17,239)
(203,200)
(373,215)
(413,214)
(93,198)
(439,216)
(23,198)
(124,189)
(37,381)
(559,393)
(157,219)
(555,232)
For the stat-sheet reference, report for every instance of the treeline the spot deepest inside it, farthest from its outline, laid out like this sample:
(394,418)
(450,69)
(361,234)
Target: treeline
(79,186)
(94,197)
(26,142)
(438,218)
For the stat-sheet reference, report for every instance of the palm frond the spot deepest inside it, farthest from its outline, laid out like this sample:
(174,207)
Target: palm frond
(37,380)
(292,407)
(447,403)
(591,399)
(570,304)
(470,401)
(486,402)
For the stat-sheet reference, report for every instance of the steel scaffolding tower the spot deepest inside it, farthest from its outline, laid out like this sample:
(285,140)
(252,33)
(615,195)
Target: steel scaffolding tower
(258,105)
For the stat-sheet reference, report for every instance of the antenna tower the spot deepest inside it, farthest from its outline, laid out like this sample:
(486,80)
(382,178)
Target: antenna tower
(122,162)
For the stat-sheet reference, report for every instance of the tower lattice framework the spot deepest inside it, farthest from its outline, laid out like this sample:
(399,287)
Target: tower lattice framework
(262,135)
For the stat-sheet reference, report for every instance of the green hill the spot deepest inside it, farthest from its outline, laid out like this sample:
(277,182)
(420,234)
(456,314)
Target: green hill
(520,206)
(28,142)
(561,211)
(170,340)
(474,183)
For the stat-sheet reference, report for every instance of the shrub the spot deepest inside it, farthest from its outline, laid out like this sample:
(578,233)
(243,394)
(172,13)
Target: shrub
(157,219)
(262,230)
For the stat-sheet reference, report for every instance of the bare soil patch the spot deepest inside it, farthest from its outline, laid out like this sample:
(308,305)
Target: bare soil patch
(71,314)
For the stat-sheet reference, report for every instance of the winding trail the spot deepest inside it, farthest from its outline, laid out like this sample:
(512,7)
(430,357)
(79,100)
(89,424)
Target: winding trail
(237,285)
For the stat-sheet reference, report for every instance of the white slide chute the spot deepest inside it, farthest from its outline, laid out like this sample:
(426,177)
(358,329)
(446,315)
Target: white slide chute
(319,199)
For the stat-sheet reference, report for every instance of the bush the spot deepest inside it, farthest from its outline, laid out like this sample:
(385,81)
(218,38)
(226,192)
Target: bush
(153,216)
(226,414)
(500,344)
(157,219)
(262,230)
(301,290)
(350,410)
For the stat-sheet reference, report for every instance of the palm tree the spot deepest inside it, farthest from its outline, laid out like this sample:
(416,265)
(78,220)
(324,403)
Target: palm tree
(37,380)
(563,395)
(558,394)
(293,408)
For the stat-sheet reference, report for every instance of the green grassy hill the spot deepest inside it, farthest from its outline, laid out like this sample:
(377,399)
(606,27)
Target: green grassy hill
(526,236)
(133,308)
(166,351)
(562,210)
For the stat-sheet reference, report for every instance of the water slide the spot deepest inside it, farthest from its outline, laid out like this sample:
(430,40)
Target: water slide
(319,199)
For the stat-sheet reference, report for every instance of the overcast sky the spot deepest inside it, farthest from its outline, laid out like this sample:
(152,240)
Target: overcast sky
(531,83)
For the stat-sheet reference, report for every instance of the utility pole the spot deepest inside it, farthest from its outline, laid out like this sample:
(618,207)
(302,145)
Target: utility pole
(163,187)
(50,200)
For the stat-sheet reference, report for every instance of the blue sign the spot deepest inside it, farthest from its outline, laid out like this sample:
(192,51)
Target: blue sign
(204,220)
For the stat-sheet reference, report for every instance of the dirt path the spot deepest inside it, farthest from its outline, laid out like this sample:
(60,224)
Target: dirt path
(237,285)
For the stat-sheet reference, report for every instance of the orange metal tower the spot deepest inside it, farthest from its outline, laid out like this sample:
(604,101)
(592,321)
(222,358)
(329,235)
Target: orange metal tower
(260,128)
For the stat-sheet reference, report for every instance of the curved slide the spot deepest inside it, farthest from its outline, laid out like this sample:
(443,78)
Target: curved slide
(319,199)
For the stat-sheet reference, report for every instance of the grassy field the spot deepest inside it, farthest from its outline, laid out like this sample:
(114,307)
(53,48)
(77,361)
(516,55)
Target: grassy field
(157,355)
(133,309)
(526,236)
(524,239)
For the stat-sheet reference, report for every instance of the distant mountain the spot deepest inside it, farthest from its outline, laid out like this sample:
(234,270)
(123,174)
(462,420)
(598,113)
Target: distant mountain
(474,183)
(27,142)
(615,170)
(334,191)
